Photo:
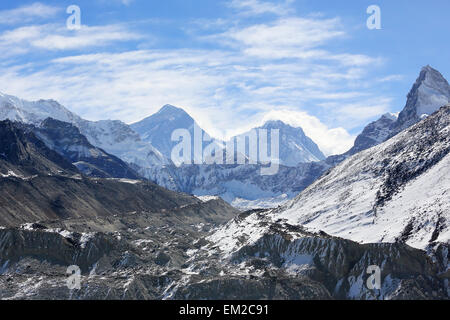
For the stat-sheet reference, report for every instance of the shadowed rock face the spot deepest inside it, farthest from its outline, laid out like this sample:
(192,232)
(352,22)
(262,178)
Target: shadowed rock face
(123,234)
(430,92)
(139,241)
(38,184)
(22,151)
(66,139)
(177,262)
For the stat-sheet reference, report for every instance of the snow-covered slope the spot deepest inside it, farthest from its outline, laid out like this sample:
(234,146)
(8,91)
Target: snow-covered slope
(294,146)
(66,139)
(397,191)
(114,137)
(430,92)
(158,128)
(241,185)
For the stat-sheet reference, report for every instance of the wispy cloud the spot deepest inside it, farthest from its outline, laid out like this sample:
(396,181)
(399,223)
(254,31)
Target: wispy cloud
(119,2)
(257,7)
(353,113)
(330,140)
(219,89)
(393,77)
(243,75)
(27,13)
(57,37)
(126,2)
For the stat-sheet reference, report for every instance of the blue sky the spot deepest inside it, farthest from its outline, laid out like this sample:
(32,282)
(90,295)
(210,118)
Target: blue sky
(230,64)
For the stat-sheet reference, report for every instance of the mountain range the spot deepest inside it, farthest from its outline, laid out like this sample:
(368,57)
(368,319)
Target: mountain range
(113,136)
(67,200)
(146,147)
(295,146)
(430,92)
(233,183)
(115,149)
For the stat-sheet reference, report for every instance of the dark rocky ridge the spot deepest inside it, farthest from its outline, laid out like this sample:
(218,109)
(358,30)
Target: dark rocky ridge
(38,184)
(22,151)
(66,139)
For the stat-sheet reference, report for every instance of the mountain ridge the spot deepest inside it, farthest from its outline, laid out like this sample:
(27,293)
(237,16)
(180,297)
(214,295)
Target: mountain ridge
(113,136)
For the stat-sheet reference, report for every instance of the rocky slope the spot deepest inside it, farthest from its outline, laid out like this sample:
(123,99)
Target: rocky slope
(66,139)
(22,154)
(39,184)
(430,92)
(394,192)
(163,261)
(294,146)
(115,137)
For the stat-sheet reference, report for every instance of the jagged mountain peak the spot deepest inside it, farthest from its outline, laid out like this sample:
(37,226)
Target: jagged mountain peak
(169,108)
(432,78)
(279,124)
(23,154)
(157,129)
(430,92)
(392,192)
(295,146)
(167,113)
(430,70)
(115,137)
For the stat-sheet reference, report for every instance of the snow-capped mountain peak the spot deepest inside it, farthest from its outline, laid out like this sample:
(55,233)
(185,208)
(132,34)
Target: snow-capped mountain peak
(294,146)
(171,109)
(115,137)
(157,129)
(33,112)
(392,192)
(430,92)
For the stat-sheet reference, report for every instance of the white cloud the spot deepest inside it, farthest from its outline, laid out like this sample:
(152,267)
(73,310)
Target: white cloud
(257,7)
(27,13)
(355,113)
(56,37)
(330,140)
(290,33)
(293,38)
(85,37)
(393,77)
(278,70)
